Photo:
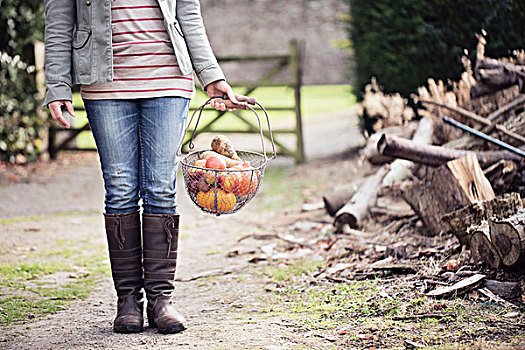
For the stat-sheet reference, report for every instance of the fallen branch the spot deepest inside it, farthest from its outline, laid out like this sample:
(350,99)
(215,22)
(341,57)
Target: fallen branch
(212,273)
(357,208)
(478,118)
(461,286)
(419,316)
(436,155)
(401,169)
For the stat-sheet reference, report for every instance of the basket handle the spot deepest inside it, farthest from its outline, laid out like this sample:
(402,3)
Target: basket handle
(230,104)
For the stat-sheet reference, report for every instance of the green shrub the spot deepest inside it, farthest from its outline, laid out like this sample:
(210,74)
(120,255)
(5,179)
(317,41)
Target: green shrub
(404,42)
(22,22)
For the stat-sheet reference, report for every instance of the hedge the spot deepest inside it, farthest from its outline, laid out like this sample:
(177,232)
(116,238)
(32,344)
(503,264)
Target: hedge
(22,21)
(404,42)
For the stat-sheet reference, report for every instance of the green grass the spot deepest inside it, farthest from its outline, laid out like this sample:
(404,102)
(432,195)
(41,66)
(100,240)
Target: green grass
(284,188)
(299,268)
(316,99)
(347,311)
(26,294)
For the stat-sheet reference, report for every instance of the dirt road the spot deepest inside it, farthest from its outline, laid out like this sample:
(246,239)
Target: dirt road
(223,312)
(55,215)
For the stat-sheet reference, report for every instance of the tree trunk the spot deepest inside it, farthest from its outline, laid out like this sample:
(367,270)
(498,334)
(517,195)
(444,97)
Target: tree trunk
(482,249)
(353,212)
(435,155)
(500,207)
(450,187)
(508,238)
(400,169)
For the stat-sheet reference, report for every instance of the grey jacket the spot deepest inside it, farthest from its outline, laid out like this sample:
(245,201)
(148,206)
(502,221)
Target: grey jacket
(78,43)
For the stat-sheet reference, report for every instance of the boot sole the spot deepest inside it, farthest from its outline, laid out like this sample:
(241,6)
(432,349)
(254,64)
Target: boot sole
(128,328)
(173,328)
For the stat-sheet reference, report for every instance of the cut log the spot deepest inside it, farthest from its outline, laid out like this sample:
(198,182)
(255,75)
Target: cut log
(397,147)
(336,200)
(500,207)
(501,175)
(505,290)
(482,249)
(401,169)
(450,187)
(370,151)
(493,75)
(508,238)
(353,212)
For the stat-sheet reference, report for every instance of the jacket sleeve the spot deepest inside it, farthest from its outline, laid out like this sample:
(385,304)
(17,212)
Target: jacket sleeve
(60,21)
(202,57)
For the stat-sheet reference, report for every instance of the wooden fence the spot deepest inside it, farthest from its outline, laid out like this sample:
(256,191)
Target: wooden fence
(293,60)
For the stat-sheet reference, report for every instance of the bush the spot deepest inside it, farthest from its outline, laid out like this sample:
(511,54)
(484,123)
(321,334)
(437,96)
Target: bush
(20,127)
(404,42)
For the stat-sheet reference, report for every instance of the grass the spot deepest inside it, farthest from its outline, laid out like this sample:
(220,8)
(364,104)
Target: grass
(284,187)
(316,99)
(26,292)
(359,313)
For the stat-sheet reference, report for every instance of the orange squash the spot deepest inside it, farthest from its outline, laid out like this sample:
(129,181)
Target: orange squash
(225,201)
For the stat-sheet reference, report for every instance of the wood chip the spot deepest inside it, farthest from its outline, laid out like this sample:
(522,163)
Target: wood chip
(462,286)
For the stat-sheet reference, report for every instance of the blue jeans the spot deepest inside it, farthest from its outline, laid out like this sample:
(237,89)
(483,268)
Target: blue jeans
(137,142)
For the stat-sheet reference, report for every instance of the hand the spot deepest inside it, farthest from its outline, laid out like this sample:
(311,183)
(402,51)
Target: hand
(56,112)
(219,88)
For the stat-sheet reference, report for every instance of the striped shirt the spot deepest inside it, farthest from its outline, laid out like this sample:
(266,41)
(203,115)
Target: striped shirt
(144,63)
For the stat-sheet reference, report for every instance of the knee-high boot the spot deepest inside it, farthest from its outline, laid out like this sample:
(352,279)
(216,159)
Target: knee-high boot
(125,252)
(160,234)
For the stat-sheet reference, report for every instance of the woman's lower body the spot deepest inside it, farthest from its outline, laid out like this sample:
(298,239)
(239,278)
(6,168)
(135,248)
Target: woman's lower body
(137,142)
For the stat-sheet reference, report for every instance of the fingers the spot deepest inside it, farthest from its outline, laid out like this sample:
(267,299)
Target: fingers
(56,113)
(232,96)
(70,109)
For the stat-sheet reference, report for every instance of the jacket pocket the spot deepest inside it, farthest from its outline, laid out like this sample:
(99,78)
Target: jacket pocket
(81,38)
(178,28)
(81,56)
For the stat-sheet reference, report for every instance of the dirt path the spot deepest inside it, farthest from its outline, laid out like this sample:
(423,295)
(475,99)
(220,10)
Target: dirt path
(62,206)
(224,312)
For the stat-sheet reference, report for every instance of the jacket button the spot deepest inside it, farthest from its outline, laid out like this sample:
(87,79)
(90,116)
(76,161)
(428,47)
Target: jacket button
(88,3)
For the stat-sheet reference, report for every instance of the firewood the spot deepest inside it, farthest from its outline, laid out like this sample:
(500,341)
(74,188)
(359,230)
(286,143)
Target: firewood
(494,75)
(502,175)
(508,237)
(460,287)
(400,169)
(353,212)
(336,200)
(397,147)
(450,187)
(482,249)
(505,290)
(501,207)
(484,121)
(370,152)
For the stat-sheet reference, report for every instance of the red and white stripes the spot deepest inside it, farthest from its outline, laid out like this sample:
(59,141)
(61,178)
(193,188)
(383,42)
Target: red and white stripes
(144,63)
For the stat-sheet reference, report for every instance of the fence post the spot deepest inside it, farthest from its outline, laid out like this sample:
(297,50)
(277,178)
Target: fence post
(296,70)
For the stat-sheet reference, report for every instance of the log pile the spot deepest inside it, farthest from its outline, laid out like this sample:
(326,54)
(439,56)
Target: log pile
(468,184)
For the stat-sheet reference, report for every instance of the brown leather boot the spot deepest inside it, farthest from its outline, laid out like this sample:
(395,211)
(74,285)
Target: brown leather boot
(125,252)
(161,232)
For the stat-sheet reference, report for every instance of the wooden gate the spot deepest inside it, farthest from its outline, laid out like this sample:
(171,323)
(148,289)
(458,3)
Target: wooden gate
(293,60)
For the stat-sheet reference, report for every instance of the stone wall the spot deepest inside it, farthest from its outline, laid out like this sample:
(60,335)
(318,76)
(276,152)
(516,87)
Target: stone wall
(262,27)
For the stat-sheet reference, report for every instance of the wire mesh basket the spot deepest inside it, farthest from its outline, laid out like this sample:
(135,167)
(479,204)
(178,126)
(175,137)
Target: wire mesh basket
(224,191)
